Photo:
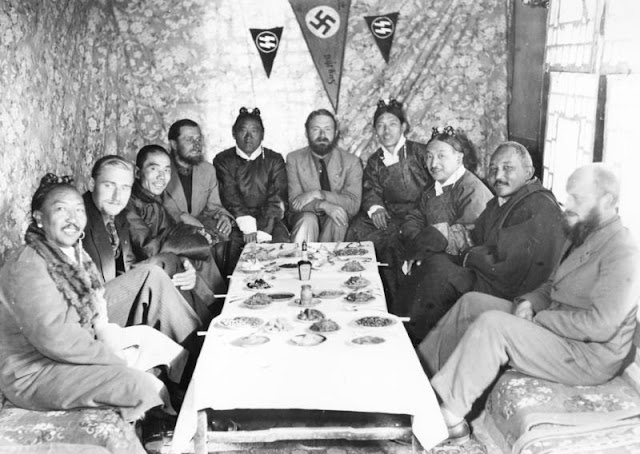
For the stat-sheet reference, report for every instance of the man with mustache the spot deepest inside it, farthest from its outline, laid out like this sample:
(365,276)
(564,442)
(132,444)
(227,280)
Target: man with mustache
(516,242)
(192,195)
(576,329)
(325,183)
(144,292)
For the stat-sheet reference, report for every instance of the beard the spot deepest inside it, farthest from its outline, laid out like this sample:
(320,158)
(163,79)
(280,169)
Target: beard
(324,147)
(579,231)
(193,159)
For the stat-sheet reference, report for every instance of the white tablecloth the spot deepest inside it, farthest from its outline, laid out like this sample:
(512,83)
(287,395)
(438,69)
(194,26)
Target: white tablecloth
(334,375)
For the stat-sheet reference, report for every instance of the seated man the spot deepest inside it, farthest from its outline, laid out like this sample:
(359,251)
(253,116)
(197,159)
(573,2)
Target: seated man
(151,229)
(192,194)
(325,183)
(446,212)
(575,329)
(253,186)
(145,295)
(517,241)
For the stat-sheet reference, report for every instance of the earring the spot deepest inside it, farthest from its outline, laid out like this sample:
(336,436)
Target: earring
(39,225)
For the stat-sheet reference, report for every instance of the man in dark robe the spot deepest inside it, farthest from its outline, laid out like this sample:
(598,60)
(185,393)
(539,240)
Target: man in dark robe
(253,186)
(516,243)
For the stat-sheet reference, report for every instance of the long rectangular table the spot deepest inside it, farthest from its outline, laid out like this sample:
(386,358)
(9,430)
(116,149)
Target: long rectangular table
(337,374)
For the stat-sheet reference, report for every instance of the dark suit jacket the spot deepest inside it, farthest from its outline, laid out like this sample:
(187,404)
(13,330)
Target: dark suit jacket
(205,196)
(345,176)
(97,244)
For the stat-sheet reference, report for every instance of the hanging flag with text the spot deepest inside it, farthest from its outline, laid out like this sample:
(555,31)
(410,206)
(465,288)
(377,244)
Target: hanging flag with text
(383,28)
(267,42)
(324,27)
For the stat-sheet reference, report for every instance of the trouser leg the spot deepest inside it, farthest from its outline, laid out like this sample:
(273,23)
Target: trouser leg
(436,348)
(145,295)
(498,338)
(331,232)
(304,227)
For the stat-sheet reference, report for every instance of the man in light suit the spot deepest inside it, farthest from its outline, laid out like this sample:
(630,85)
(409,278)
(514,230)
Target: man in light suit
(575,329)
(325,183)
(192,195)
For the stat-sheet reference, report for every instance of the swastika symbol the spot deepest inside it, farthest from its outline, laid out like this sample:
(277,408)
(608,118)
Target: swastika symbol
(382,27)
(267,41)
(323,21)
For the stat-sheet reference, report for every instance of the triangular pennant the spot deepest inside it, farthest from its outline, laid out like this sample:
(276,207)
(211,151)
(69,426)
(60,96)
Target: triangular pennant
(324,27)
(383,28)
(267,42)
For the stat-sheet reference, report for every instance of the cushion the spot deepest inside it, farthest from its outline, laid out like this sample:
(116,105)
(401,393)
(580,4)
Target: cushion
(520,405)
(95,430)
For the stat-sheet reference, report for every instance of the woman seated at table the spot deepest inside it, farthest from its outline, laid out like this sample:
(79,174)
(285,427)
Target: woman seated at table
(395,176)
(153,230)
(58,351)
(441,223)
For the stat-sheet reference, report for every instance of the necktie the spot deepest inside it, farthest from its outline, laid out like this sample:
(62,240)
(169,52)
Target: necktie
(113,238)
(324,176)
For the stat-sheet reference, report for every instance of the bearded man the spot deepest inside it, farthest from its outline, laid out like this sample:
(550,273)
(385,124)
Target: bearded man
(192,195)
(325,183)
(575,329)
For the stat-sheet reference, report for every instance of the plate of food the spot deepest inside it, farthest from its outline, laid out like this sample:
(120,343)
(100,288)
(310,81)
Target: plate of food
(288,253)
(252,340)
(325,325)
(277,325)
(240,322)
(281,296)
(307,340)
(367,340)
(328,294)
(310,315)
(298,303)
(356,282)
(257,301)
(258,284)
(374,321)
(260,255)
(288,265)
(352,266)
(359,297)
(350,251)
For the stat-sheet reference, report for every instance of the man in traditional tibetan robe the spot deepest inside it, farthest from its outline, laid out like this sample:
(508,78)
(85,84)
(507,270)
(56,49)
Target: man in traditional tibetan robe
(151,228)
(144,292)
(325,183)
(577,328)
(516,243)
(253,186)
(192,195)
(445,215)
(394,178)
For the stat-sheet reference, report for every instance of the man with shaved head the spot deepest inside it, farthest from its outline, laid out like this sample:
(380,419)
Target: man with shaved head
(575,329)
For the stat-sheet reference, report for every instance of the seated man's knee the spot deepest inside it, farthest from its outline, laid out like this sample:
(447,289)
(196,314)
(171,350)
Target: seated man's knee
(306,226)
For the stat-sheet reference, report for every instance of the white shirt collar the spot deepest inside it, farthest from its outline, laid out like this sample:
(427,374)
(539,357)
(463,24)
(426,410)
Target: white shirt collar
(254,155)
(455,176)
(390,158)
(501,201)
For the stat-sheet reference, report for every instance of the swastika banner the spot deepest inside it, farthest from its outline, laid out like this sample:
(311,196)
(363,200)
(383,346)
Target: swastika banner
(324,27)
(267,42)
(383,28)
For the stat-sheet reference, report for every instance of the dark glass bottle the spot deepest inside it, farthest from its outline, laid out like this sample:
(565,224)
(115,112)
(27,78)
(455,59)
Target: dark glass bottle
(304,265)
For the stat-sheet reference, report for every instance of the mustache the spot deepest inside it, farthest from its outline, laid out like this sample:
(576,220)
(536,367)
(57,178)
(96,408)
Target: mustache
(497,182)
(71,224)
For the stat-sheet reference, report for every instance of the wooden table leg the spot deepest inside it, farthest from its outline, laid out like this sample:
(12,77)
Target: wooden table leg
(200,438)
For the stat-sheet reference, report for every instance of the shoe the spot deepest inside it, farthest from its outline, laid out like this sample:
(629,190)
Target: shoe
(458,434)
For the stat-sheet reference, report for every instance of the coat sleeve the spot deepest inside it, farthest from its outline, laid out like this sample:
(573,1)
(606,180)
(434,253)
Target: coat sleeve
(143,242)
(614,296)
(214,207)
(293,180)
(372,189)
(229,187)
(350,196)
(419,237)
(41,312)
(527,246)
(277,201)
